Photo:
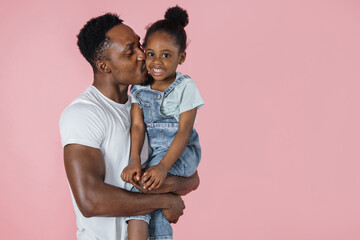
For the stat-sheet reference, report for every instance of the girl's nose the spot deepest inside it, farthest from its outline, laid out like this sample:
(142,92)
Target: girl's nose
(157,60)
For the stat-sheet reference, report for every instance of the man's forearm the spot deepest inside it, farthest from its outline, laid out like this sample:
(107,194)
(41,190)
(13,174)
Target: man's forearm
(111,201)
(184,185)
(176,185)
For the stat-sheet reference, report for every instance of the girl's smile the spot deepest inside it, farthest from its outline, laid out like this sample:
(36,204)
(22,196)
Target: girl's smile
(157,72)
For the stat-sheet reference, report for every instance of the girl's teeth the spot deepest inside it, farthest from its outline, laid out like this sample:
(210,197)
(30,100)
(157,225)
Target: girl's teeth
(158,70)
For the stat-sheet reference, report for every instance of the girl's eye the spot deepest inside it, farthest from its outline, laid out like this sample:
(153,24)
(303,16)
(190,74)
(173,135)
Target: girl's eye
(166,55)
(150,54)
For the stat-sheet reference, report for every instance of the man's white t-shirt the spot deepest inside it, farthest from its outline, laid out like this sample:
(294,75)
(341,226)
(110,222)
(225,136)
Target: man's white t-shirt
(96,121)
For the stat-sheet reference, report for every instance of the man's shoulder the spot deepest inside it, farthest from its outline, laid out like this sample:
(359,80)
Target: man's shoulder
(80,114)
(80,108)
(83,122)
(84,106)
(88,97)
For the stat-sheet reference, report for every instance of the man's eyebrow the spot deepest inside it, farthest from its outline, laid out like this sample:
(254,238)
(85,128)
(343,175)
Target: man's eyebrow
(130,45)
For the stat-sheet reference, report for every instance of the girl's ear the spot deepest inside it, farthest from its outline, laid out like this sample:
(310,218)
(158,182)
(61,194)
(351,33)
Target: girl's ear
(182,57)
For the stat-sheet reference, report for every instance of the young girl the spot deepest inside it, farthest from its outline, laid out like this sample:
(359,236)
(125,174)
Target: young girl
(166,110)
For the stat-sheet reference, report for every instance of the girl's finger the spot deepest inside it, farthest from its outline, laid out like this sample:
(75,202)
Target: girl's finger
(155,185)
(145,177)
(149,182)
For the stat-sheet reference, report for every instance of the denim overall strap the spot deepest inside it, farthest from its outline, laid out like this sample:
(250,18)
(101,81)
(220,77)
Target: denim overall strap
(174,84)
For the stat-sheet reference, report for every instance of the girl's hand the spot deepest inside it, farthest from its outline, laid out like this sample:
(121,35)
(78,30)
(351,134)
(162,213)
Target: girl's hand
(154,177)
(131,173)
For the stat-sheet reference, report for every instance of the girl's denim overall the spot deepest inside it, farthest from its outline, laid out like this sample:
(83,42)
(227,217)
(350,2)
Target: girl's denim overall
(161,131)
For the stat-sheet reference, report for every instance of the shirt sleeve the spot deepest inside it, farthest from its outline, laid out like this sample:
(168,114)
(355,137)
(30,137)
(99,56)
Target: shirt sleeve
(132,91)
(81,124)
(190,98)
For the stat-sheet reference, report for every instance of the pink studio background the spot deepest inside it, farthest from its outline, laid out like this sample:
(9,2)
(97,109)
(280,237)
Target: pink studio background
(280,129)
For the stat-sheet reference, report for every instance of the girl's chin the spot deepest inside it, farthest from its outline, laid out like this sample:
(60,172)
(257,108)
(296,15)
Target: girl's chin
(157,78)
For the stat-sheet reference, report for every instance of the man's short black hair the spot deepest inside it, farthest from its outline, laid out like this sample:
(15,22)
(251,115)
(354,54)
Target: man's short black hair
(92,40)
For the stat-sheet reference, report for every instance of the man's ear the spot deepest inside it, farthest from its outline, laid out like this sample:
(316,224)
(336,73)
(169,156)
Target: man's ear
(182,57)
(102,66)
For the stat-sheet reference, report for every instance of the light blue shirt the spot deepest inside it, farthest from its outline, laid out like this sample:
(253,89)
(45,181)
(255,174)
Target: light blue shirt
(184,97)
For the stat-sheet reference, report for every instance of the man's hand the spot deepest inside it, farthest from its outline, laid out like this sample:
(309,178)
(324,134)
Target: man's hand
(154,177)
(175,209)
(132,173)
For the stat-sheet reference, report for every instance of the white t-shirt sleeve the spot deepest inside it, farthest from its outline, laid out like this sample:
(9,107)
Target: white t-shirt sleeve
(133,100)
(132,90)
(81,123)
(190,98)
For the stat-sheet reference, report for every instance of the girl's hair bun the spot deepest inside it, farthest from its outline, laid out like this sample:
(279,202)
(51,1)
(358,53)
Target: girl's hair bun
(178,15)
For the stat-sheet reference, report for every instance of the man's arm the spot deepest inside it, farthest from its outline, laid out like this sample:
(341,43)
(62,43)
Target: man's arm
(174,184)
(85,169)
(182,185)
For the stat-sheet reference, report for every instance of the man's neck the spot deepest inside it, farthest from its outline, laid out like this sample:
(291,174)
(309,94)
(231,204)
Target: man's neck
(113,91)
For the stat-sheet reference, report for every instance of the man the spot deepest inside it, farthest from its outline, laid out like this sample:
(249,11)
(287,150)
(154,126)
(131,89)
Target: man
(95,134)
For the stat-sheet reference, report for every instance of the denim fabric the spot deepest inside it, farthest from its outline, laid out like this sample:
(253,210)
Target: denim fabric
(161,131)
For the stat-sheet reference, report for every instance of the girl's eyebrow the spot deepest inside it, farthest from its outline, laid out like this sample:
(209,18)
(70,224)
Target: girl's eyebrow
(164,50)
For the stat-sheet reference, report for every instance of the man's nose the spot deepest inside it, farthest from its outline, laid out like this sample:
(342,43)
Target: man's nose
(141,56)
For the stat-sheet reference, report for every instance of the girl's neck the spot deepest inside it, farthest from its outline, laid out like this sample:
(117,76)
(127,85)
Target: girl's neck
(162,85)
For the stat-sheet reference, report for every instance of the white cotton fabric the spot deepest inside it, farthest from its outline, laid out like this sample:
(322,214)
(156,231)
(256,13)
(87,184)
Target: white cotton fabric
(96,121)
